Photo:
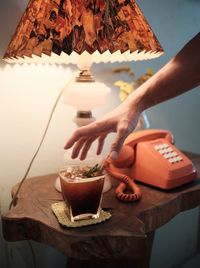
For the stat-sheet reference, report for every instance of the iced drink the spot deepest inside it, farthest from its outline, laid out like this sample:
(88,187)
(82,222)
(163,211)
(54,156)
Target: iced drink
(82,195)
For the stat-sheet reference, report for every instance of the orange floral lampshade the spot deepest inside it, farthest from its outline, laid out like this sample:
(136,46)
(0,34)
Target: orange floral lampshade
(59,31)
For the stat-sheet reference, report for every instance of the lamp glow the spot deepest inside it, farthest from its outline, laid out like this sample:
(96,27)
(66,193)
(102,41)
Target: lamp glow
(82,32)
(85,95)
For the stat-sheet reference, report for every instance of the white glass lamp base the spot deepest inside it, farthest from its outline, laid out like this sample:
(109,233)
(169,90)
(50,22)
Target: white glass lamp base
(57,184)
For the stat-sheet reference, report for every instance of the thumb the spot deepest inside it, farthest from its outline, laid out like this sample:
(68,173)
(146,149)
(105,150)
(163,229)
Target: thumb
(117,145)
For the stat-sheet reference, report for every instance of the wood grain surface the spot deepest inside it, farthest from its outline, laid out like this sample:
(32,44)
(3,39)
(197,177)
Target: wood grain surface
(127,235)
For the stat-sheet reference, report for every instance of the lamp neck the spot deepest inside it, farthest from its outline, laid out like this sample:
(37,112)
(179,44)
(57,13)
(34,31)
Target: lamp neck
(85,76)
(83,118)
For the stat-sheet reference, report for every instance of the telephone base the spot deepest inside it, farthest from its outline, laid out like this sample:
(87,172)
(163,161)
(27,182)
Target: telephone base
(171,183)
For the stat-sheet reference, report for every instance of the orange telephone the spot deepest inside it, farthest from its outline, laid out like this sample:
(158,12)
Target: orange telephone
(149,156)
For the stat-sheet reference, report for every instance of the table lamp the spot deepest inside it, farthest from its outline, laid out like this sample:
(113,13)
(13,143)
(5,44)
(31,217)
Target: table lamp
(82,32)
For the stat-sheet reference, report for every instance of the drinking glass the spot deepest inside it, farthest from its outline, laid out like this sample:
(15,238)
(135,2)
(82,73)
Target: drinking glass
(83,196)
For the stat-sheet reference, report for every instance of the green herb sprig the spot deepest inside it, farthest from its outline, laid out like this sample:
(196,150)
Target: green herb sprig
(95,169)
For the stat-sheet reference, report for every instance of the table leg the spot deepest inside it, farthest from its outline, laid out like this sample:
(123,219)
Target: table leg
(142,262)
(198,233)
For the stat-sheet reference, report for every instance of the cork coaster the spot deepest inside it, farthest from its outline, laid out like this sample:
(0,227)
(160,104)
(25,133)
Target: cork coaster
(60,208)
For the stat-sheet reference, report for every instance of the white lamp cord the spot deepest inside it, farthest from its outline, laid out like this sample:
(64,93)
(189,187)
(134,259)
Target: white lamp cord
(14,197)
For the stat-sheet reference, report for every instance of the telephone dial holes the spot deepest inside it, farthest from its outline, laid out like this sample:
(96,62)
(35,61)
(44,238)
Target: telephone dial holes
(163,148)
(175,159)
(167,156)
(168,153)
(159,147)
(174,154)
(179,158)
(169,150)
(162,151)
(165,145)
(165,151)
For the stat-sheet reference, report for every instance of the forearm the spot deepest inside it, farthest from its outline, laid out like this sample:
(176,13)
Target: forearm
(179,75)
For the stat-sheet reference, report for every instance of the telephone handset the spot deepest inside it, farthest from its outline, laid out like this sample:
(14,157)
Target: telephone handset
(149,156)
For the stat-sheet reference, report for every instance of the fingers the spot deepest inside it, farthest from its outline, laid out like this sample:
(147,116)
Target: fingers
(86,148)
(83,137)
(101,142)
(83,146)
(74,138)
(95,128)
(77,147)
(122,133)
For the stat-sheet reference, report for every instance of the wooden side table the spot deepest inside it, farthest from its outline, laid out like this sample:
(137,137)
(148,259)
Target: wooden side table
(123,241)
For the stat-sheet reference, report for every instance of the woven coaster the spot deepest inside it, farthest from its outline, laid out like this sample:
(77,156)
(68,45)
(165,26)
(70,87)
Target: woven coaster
(59,210)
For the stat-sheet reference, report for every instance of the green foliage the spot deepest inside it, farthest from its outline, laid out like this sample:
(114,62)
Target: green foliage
(94,171)
(127,88)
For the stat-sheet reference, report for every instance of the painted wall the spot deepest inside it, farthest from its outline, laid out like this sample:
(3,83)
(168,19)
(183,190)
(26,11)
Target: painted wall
(27,94)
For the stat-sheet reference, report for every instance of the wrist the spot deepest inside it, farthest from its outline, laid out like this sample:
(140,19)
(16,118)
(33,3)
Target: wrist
(136,101)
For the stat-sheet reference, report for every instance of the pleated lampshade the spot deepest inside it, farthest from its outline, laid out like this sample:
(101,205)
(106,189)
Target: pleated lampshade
(62,31)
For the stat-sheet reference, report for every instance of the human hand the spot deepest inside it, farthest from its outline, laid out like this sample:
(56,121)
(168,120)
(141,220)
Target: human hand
(121,120)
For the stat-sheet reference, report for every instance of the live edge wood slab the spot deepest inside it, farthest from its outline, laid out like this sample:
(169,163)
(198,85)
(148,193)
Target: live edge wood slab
(126,238)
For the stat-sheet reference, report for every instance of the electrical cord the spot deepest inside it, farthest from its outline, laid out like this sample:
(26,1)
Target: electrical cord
(15,196)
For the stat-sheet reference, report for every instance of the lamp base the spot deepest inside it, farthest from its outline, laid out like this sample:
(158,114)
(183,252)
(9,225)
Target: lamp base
(84,118)
(57,184)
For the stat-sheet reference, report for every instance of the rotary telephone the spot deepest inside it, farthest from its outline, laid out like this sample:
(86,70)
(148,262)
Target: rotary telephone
(149,156)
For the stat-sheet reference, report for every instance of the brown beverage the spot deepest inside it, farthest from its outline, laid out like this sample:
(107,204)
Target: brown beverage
(83,196)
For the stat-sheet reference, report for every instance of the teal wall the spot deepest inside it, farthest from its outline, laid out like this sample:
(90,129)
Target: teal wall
(175,22)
